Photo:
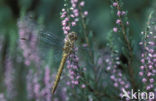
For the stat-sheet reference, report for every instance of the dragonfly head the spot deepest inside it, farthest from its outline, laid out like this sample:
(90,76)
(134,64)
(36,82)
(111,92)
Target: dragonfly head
(72,36)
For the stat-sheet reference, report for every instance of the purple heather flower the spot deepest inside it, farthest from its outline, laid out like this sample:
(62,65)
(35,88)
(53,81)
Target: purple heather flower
(73,23)
(141,73)
(151,80)
(115,84)
(76,82)
(118,13)
(148,88)
(144,80)
(151,43)
(115,4)
(83,86)
(142,67)
(82,3)
(123,13)
(118,21)
(85,13)
(149,74)
(113,77)
(115,29)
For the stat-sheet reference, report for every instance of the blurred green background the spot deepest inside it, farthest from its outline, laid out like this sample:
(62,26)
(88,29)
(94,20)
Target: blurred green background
(48,12)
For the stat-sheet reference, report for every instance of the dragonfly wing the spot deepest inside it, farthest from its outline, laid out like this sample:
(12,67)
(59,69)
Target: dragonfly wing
(49,41)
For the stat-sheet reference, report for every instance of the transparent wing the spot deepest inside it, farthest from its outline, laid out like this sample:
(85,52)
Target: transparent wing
(49,41)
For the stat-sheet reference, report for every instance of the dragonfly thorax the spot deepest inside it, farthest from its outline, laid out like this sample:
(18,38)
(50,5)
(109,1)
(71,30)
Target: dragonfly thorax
(69,42)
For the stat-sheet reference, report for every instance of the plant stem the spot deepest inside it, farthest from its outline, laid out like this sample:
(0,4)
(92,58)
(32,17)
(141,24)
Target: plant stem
(130,69)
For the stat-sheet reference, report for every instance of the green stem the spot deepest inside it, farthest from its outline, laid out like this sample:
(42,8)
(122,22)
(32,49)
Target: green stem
(130,69)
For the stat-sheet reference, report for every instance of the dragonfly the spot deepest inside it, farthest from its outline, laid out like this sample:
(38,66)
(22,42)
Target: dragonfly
(67,49)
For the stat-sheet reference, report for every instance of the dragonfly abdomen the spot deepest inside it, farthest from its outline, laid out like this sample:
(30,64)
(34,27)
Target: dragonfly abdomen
(59,72)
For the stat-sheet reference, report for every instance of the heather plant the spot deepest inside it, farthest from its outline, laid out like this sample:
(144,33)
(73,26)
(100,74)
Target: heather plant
(147,69)
(72,50)
(2,97)
(28,40)
(10,80)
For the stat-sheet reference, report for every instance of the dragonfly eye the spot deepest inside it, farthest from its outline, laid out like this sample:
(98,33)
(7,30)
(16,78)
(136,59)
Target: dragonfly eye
(72,36)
